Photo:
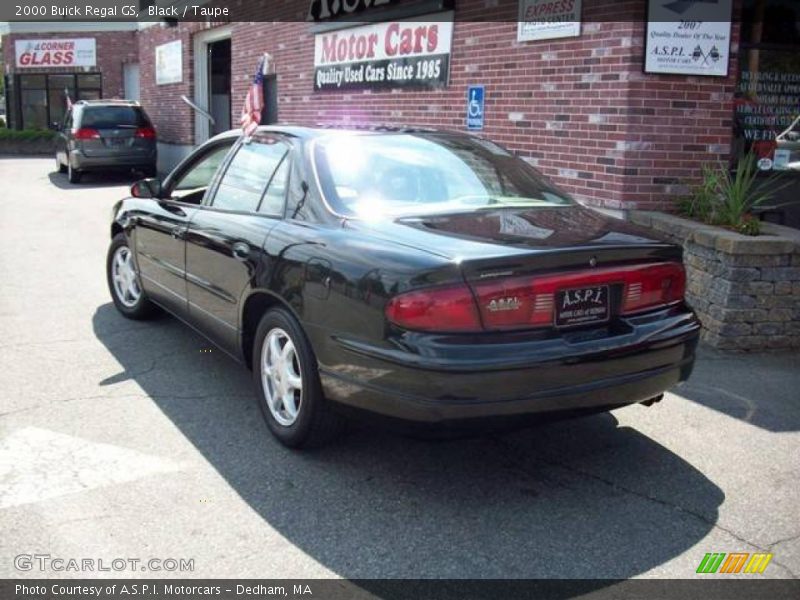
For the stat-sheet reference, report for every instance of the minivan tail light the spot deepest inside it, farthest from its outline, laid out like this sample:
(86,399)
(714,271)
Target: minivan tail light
(86,133)
(446,309)
(147,133)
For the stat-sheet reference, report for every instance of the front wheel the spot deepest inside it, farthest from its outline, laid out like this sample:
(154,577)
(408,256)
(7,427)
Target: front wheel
(123,281)
(287,383)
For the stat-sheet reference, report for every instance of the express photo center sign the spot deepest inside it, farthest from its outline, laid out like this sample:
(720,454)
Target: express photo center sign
(384,55)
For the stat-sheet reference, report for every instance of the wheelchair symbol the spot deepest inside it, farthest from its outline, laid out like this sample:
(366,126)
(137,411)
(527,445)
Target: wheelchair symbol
(474,109)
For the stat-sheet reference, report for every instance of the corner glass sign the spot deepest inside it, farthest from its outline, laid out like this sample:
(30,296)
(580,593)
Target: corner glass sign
(688,37)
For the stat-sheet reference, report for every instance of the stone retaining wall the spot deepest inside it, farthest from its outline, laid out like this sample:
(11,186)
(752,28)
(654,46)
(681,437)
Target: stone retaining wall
(746,290)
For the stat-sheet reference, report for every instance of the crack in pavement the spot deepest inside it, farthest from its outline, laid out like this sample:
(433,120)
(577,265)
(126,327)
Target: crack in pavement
(785,540)
(518,454)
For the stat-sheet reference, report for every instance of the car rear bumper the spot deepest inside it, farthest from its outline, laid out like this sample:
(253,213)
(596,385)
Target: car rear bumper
(537,377)
(82,162)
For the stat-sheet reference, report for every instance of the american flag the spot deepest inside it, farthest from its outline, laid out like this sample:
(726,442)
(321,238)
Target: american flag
(69,100)
(254,101)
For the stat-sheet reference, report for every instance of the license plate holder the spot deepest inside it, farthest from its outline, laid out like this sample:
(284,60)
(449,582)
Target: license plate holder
(582,306)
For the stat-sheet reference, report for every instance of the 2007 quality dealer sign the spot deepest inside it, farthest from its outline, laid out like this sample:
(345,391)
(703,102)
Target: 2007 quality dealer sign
(391,54)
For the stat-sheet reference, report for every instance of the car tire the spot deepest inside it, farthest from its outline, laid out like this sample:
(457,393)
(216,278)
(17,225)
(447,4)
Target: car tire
(73,175)
(60,166)
(308,420)
(124,283)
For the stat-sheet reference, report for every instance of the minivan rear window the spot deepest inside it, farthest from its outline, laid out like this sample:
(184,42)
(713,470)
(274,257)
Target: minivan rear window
(113,117)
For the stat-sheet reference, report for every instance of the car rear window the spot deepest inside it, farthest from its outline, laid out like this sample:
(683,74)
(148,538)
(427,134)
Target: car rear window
(113,117)
(395,174)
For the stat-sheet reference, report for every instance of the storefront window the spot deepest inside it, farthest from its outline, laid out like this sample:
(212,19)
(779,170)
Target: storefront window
(43,97)
(767,99)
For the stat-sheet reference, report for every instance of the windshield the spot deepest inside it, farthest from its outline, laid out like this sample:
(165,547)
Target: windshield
(368,175)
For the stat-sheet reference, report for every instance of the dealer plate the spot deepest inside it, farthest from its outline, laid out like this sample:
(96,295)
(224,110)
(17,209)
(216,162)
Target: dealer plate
(579,306)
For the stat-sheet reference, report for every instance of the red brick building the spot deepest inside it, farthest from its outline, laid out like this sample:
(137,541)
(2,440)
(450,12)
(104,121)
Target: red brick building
(88,60)
(582,108)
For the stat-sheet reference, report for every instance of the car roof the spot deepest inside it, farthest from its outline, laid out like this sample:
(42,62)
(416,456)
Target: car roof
(309,132)
(107,102)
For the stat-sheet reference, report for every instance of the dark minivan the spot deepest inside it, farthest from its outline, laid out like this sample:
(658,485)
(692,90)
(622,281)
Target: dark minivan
(106,134)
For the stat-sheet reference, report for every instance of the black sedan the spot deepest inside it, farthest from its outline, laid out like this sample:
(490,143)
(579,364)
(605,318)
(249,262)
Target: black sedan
(427,277)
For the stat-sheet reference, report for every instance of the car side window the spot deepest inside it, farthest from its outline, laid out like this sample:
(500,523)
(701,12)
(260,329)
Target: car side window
(243,184)
(191,186)
(275,196)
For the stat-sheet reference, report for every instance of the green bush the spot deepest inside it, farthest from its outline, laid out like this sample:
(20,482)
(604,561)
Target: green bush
(15,135)
(2,122)
(728,200)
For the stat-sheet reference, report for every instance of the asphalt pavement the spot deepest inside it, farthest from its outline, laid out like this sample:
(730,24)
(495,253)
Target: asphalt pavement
(138,440)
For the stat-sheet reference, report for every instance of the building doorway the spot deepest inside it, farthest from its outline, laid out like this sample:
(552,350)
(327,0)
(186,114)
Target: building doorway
(212,85)
(130,76)
(219,89)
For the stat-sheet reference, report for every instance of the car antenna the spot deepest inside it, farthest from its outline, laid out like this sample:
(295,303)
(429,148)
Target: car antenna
(302,200)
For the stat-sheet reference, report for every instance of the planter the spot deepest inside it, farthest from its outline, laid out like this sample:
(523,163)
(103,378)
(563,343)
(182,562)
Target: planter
(746,290)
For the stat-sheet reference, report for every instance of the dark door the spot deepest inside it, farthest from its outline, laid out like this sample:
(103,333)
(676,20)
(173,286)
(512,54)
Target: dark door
(160,231)
(160,252)
(224,244)
(219,85)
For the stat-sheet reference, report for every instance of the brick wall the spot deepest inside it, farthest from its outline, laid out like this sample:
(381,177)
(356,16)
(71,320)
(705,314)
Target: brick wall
(114,49)
(173,118)
(581,109)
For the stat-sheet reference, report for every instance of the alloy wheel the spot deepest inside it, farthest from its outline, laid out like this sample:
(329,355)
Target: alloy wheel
(123,273)
(281,377)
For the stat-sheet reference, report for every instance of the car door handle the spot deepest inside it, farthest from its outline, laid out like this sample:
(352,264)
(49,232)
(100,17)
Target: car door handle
(241,251)
(177,233)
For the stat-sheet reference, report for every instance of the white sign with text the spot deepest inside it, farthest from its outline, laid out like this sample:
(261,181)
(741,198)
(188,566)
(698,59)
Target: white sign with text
(56,52)
(548,19)
(688,37)
(169,63)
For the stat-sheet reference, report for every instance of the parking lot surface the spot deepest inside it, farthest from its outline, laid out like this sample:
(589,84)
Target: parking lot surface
(123,439)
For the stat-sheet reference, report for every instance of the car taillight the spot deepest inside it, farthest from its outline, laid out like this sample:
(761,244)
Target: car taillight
(443,309)
(530,301)
(654,286)
(86,133)
(147,133)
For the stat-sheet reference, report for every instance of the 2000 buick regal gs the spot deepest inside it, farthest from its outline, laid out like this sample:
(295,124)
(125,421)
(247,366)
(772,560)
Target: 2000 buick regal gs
(428,277)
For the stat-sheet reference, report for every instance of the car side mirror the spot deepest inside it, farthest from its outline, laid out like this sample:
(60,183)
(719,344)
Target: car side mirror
(146,188)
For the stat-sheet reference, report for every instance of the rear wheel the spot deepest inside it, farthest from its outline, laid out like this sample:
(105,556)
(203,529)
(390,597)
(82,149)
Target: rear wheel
(73,175)
(123,281)
(287,381)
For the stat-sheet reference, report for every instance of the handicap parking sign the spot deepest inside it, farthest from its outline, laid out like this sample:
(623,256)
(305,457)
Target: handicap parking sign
(475,98)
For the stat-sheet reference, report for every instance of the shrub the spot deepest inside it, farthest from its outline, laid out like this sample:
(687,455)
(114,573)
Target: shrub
(15,135)
(727,199)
